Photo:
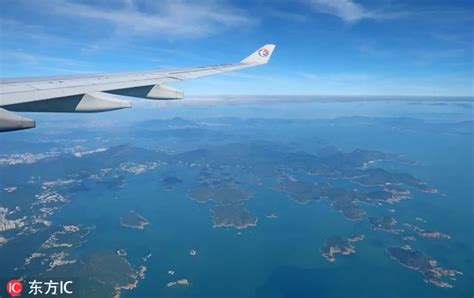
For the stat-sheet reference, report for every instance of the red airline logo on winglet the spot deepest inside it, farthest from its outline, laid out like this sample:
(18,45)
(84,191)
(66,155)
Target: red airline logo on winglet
(263,52)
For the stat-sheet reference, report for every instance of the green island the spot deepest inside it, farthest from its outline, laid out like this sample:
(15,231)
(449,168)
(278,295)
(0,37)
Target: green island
(302,192)
(233,216)
(427,233)
(273,162)
(337,244)
(100,274)
(386,224)
(228,199)
(133,220)
(428,267)
(222,193)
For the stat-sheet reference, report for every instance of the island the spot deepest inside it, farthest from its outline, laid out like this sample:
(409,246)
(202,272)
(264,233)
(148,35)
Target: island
(3,240)
(111,270)
(147,257)
(388,195)
(219,192)
(68,236)
(337,244)
(345,205)
(103,273)
(428,267)
(228,199)
(10,189)
(183,282)
(271,215)
(236,216)
(133,220)
(9,224)
(386,224)
(382,177)
(396,189)
(355,166)
(295,172)
(122,252)
(427,234)
(303,192)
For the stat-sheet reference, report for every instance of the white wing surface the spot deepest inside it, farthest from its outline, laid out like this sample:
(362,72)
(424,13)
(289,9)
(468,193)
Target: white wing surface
(95,93)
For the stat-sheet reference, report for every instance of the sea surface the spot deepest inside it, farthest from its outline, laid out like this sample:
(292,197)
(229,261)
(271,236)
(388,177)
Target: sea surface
(280,257)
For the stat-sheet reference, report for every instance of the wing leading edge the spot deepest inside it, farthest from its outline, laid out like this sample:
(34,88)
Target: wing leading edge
(95,93)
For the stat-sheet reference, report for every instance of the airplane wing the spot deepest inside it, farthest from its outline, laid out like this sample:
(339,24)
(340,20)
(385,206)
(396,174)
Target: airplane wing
(95,93)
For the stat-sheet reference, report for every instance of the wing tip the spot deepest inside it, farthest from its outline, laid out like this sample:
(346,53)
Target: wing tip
(260,56)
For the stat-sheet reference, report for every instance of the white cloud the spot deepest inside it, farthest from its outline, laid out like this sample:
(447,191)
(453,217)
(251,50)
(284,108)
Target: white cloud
(336,77)
(36,64)
(351,12)
(344,9)
(31,59)
(168,18)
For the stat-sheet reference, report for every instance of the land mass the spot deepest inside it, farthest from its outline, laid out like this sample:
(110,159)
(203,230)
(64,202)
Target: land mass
(428,267)
(104,273)
(337,244)
(385,223)
(344,201)
(134,220)
(427,234)
(222,193)
(233,216)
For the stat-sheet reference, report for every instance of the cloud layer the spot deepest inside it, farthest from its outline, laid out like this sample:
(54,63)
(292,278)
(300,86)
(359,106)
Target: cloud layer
(351,12)
(164,18)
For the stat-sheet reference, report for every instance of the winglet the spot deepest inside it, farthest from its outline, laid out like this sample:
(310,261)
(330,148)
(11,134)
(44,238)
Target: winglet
(260,56)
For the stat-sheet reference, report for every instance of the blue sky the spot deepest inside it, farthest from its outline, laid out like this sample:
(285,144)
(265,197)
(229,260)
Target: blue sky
(323,46)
